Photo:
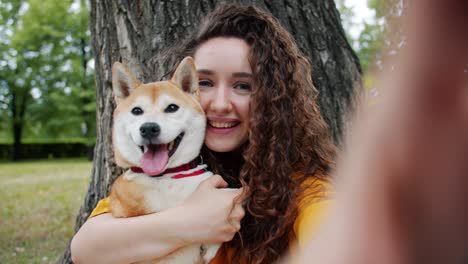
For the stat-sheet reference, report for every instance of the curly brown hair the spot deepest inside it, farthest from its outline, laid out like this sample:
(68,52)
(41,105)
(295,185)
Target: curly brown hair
(287,132)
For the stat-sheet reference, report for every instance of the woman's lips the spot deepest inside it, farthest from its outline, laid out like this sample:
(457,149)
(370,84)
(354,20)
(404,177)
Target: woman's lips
(222,126)
(217,124)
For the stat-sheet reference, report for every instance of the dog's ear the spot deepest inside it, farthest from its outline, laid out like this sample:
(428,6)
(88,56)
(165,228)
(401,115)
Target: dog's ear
(122,81)
(186,77)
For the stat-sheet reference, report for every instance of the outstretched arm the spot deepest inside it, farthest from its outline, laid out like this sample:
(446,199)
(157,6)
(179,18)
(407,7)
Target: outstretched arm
(402,193)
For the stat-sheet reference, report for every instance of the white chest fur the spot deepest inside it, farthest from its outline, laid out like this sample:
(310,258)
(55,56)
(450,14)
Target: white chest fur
(165,192)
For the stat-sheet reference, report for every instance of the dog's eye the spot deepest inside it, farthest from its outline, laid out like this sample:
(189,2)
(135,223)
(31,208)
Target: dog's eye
(171,108)
(137,111)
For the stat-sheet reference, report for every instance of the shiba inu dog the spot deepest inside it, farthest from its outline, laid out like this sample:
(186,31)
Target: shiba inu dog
(158,132)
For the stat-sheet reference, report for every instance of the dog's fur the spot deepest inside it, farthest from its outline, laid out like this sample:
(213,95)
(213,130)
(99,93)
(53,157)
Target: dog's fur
(135,193)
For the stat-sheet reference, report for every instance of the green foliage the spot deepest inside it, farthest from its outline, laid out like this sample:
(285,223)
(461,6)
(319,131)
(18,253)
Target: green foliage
(371,38)
(370,43)
(380,7)
(46,85)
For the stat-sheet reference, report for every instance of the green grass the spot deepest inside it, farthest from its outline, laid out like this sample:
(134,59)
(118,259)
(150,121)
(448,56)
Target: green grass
(39,201)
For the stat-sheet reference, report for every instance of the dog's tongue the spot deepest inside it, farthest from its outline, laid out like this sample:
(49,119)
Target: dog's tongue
(154,160)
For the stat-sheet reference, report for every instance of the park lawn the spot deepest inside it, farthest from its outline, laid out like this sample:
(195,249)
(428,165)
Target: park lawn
(39,201)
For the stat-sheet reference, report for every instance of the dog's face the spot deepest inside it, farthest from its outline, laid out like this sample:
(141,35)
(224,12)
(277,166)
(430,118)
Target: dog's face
(157,125)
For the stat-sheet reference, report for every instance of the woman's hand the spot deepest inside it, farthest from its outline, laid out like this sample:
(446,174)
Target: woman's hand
(402,196)
(212,214)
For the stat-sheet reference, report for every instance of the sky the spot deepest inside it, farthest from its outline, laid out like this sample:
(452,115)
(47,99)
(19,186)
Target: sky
(361,13)
(360,7)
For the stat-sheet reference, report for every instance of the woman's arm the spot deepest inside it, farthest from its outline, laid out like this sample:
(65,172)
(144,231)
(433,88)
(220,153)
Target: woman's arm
(105,239)
(402,195)
(205,217)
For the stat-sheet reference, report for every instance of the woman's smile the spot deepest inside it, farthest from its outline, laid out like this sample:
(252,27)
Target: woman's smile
(222,126)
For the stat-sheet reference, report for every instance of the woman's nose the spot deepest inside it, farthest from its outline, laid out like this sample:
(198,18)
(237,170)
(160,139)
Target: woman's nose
(221,100)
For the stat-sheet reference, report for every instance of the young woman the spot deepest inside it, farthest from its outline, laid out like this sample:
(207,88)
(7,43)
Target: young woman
(265,133)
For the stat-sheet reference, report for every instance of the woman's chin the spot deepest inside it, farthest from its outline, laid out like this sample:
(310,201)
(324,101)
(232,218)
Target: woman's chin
(225,140)
(219,145)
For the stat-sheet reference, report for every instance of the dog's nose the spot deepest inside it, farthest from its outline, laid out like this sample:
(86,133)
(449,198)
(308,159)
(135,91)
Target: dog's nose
(149,130)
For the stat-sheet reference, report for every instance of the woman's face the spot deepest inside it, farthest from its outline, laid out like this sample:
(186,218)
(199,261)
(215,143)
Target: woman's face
(225,87)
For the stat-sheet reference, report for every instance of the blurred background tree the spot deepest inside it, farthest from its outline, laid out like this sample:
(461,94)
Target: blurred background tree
(369,33)
(46,77)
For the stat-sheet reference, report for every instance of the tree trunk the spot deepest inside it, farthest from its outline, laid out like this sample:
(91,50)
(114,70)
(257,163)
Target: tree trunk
(135,31)
(17,134)
(16,129)
(19,100)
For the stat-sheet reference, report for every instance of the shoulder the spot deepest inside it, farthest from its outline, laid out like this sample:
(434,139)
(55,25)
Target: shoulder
(313,189)
(101,208)
(314,200)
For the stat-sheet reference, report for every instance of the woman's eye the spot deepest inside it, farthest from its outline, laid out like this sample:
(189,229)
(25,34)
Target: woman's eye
(137,110)
(244,87)
(171,108)
(205,83)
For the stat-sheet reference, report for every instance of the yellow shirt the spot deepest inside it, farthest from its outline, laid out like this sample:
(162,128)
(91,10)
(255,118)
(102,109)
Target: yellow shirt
(312,208)
(313,205)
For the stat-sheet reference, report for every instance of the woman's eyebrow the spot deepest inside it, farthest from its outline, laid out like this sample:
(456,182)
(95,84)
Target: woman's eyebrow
(242,74)
(204,71)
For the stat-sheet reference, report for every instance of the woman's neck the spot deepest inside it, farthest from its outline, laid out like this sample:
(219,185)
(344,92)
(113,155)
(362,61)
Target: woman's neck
(227,164)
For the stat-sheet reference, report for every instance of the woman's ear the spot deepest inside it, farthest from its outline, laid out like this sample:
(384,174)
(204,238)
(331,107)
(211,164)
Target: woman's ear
(123,81)
(186,77)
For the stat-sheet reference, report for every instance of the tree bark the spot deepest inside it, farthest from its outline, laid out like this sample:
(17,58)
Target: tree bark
(135,31)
